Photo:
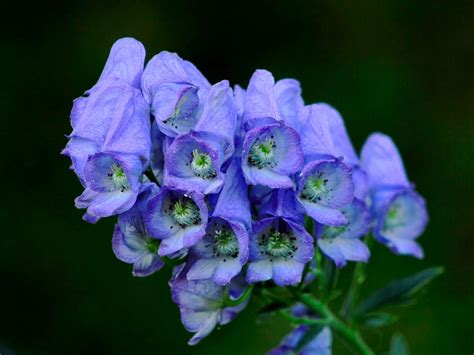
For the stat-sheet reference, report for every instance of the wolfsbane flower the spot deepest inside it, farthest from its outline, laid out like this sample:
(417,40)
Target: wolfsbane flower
(342,243)
(279,249)
(175,90)
(222,252)
(131,242)
(202,303)
(400,212)
(111,132)
(177,218)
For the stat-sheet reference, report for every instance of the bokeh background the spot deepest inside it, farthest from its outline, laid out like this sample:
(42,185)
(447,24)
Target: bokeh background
(404,68)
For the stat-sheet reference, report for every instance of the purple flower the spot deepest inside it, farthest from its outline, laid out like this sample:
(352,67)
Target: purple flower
(264,99)
(177,218)
(400,212)
(194,164)
(271,149)
(270,155)
(202,303)
(223,251)
(325,184)
(342,243)
(324,188)
(175,90)
(131,242)
(219,117)
(112,184)
(294,343)
(279,249)
(110,143)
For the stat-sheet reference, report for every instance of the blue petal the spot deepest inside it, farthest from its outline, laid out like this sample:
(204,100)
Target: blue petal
(125,62)
(260,99)
(382,163)
(282,203)
(323,202)
(400,220)
(287,272)
(147,265)
(290,102)
(261,270)
(175,107)
(342,143)
(288,156)
(219,115)
(316,139)
(166,67)
(233,203)
(179,173)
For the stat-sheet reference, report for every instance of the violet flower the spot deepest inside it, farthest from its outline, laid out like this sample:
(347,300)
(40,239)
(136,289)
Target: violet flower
(400,212)
(110,143)
(325,184)
(175,90)
(279,249)
(223,251)
(131,242)
(177,218)
(271,149)
(202,303)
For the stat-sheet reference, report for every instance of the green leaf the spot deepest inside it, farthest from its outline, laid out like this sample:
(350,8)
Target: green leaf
(398,345)
(398,292)
(377,320)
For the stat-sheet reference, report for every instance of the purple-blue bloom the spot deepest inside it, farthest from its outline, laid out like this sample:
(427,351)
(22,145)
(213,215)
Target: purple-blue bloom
(399,211)
(177,218)
(342,243)
(131,242)
(176,90)
(194,164)
(223,251)
(271,149)
(279,249)
(110,143)
(325,184)
(202,303)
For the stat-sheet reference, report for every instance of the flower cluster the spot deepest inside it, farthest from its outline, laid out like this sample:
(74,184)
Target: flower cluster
(220,181)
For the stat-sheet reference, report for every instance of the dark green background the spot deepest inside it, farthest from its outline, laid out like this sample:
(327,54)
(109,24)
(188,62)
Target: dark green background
(401,67)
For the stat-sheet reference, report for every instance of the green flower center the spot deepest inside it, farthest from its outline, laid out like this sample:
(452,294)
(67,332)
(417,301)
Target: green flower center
(185,212)
(118,177)
(201,165)
(225,243)
(315,189)
(278,244)
(262,154)
(394,217)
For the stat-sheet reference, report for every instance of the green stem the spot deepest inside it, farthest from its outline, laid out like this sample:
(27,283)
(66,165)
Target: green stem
(358,278)
(351,335)
(302,320)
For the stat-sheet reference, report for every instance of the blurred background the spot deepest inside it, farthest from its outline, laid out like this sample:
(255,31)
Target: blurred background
(404,68)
